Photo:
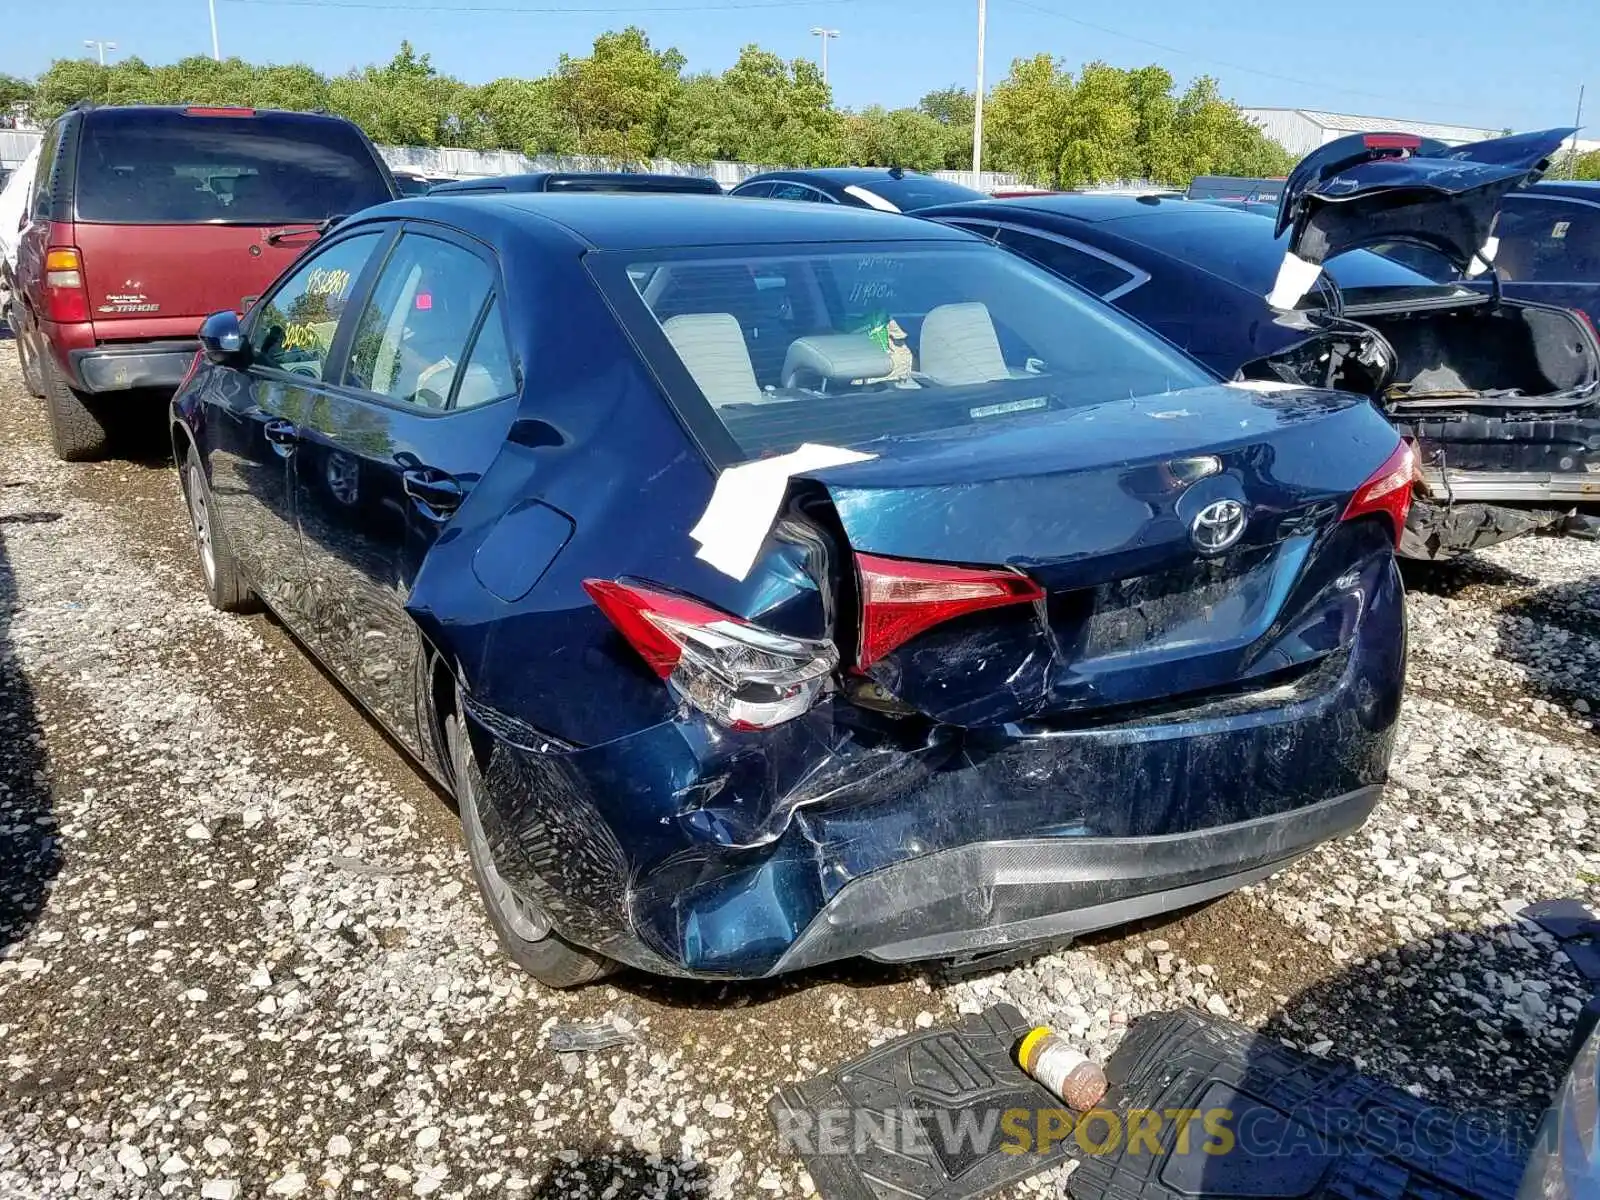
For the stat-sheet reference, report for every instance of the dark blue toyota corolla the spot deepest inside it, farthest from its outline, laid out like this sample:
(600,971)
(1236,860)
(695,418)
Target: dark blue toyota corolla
(774,584)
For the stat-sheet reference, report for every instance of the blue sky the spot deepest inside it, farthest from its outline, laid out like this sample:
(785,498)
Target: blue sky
(1466,61)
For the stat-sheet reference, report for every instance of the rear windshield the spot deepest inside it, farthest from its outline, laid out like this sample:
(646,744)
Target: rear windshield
(911,192)
(1230,187)
(848,345)
(170,168)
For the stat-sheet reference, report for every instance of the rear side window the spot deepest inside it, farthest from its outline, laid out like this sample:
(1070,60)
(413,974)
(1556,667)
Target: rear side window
(854,344)
(293,329)
(136,166)
(1088,271)
(414,332)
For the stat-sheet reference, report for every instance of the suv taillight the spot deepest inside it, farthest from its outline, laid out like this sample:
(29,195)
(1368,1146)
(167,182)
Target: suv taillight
(1387,490)
(65,298)
(741,675)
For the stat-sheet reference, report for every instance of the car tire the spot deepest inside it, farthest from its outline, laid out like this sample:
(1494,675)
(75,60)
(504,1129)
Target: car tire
(32,377)
(225,586)
(77,431)
(544,955)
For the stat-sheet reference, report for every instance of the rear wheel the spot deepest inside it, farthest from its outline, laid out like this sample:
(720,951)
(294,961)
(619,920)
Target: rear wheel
(77,425)
(225,586)
(520,923)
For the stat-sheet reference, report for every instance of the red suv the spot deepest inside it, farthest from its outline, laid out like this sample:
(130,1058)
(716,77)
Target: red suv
(145,220)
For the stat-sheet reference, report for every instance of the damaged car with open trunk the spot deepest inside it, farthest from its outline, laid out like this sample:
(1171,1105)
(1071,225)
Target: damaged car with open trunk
(1378,277)
(788,583)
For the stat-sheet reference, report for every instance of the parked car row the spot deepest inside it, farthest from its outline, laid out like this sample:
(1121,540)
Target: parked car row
(774,583)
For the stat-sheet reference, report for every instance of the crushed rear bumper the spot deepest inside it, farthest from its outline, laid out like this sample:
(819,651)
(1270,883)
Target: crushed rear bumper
(997,894)
(686,849)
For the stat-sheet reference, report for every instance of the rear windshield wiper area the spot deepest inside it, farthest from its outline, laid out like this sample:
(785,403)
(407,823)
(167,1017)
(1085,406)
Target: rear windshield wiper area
(313,230)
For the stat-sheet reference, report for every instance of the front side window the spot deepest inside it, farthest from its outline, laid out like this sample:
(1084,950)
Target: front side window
(292,330)
(848,345)
(414,331)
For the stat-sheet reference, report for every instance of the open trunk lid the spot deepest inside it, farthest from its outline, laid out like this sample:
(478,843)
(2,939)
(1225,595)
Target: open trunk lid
(1209,552)
(1392,187)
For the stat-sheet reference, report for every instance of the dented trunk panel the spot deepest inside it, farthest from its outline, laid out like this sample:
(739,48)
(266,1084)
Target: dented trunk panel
(1134,611)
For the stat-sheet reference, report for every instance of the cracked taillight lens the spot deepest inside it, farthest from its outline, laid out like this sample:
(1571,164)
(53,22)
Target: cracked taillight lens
(739,674)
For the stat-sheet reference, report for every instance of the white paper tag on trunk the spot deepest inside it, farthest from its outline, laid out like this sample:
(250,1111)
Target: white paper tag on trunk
(745,503)
(1296,277)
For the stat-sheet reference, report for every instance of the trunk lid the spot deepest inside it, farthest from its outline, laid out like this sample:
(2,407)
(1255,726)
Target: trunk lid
(1183,543)
(160,280)
(1391,187)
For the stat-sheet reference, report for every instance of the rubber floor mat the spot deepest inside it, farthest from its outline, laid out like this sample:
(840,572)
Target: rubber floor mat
(944,1114)
(1265,1120)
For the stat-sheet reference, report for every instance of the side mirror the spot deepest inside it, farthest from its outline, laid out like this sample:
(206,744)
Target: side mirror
(222,341)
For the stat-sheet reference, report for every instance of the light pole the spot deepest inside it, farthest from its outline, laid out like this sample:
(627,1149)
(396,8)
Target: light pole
(825,35)
(100,47)
(216,51)
(977,110)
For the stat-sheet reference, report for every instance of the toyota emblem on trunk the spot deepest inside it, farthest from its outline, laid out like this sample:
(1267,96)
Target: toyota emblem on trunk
(1217,526)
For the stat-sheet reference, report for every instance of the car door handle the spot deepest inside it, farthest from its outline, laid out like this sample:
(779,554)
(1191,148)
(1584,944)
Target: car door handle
(281,434)
(436,494)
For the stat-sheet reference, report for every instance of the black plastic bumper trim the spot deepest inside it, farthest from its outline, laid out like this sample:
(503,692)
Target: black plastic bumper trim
(123,368)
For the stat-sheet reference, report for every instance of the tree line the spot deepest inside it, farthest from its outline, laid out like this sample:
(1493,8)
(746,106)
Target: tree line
(629,100)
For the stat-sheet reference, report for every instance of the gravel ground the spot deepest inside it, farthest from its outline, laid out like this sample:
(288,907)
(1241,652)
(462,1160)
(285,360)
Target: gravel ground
(240,954)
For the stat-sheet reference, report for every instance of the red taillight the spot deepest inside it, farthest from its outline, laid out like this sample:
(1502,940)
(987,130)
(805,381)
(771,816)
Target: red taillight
(742,675)
(204,111)
(1387,490)
(65,298)
(1392,141)
(901,598)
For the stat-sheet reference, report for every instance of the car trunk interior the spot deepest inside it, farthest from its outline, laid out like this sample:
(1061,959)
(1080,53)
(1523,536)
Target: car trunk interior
(1531,351)
(1514,356)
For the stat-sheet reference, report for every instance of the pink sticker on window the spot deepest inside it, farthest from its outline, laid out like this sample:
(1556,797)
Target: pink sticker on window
(424,300)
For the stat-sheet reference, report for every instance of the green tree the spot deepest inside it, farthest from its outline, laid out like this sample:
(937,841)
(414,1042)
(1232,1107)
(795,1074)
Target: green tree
(780,112)
(1028,120)
(1587,166)
(901,137)
(14,91)
(1102,129)
(700,126)
(406,102)
(954,108)
(1217,139)
(522,115)
(618,98)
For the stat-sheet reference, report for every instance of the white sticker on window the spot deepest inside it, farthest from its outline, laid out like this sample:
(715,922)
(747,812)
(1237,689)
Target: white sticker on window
(1560,230)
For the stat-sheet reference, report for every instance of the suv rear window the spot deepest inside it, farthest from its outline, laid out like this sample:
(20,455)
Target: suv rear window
(137,166)
(852,344)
